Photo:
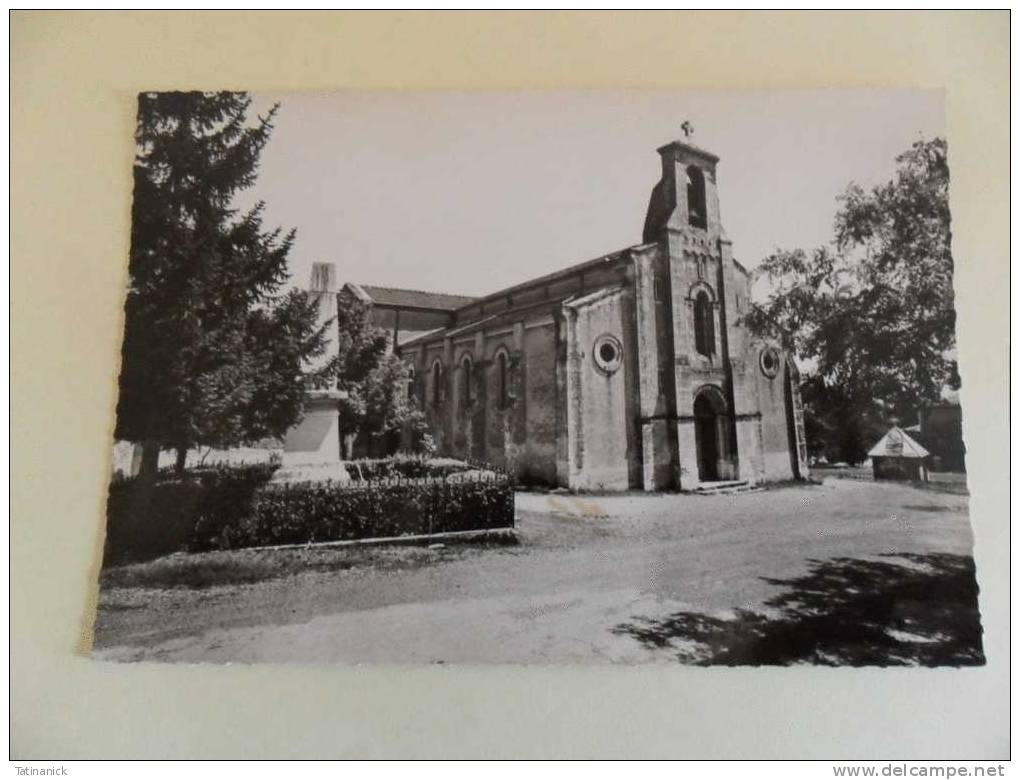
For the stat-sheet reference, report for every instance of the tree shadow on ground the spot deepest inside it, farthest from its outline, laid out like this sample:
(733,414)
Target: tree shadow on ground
(904,610)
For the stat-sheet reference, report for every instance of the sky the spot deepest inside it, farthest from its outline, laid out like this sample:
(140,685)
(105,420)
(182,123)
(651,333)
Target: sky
(472,192)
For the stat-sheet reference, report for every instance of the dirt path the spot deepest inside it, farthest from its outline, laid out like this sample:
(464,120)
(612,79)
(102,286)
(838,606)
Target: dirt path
(585,565)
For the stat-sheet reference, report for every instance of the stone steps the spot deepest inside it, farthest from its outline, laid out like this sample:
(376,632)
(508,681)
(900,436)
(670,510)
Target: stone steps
(725,487)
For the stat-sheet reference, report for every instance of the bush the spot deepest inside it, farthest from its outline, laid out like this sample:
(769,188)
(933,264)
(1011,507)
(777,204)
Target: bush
(308,512)
(146,524)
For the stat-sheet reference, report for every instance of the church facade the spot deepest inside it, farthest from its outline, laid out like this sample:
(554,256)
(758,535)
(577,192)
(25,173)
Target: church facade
(629,371)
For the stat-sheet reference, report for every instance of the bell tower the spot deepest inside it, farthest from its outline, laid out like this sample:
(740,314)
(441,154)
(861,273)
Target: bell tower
(696,257)
(685,200)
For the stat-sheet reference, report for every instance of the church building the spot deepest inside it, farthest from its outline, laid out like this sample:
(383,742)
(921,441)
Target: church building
(629,371)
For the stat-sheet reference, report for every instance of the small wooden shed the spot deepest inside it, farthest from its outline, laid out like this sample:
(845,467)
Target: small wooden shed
(897,456)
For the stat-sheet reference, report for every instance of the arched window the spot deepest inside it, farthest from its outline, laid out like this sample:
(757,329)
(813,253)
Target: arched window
(437,380)
(704,324)
(467,380)
(502,379)
(696,215)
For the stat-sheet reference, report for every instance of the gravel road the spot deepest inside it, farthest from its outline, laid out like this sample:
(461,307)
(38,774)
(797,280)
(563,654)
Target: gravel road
(584,566)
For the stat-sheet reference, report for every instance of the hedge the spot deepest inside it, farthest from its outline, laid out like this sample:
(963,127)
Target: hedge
(308,512)
(233,507)
(142,524)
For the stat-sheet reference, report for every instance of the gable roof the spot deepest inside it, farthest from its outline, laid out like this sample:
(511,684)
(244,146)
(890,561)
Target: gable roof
(897,444)
(421,299)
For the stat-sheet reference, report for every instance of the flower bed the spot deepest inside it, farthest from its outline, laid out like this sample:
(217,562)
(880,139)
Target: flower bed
(403,466)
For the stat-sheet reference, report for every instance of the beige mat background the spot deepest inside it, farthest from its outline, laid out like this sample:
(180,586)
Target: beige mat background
(73,83)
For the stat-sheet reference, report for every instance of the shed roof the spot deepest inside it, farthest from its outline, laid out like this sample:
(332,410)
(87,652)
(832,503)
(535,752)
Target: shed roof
(897,444)
(420,299)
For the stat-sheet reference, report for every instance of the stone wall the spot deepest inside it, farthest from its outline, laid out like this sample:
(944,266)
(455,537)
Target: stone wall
(536,460)
(517,429)
(526,431)
(602,442)
(653,359)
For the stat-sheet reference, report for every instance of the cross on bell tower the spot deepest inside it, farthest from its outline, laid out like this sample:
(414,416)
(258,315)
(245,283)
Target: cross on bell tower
(687,128)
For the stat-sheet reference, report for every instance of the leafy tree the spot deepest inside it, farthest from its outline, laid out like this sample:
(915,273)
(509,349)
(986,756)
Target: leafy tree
(372,380)
(214,353)
(836,424)
(872,314)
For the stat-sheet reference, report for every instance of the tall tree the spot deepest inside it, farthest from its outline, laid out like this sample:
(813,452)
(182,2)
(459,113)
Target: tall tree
(872,314)
(214,353)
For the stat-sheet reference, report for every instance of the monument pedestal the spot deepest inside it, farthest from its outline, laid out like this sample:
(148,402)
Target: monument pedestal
(311,449)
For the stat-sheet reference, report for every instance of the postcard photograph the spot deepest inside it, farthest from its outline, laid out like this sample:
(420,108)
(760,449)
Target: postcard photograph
(592,377)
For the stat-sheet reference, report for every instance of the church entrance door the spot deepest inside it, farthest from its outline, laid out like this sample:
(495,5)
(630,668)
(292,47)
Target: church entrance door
(711,426)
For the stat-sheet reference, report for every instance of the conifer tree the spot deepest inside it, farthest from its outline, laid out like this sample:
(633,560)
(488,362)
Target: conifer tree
(214,353)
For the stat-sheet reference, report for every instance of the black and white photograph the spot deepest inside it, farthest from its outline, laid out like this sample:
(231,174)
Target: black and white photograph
(540,377)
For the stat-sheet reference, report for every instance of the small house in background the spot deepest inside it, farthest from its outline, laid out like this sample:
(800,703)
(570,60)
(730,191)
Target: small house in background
(897,456)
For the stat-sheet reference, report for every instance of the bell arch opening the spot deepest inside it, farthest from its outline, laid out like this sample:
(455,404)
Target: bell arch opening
(696,213)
